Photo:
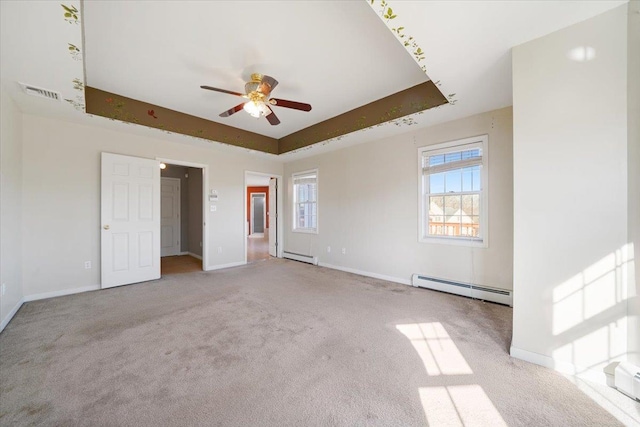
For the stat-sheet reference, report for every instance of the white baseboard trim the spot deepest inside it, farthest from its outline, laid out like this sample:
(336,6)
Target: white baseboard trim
(63,292)
(193,255)
(221,266)
(367,273)
(12,313)
(563,367)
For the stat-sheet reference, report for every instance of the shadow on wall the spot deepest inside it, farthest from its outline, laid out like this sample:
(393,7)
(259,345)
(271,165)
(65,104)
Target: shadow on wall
(590,313)
(590,322)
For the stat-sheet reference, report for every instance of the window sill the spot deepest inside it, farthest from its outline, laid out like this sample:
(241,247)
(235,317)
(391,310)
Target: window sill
(304,231)
(456,241)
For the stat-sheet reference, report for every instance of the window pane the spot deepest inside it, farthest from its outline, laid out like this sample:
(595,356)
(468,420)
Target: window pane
(453,226)
(450,213)
(470,154)
(436,160)
(475,231)
(436,206)
(451,206)
(311,189)
(467,205)
(453,181)
(476,178)
(436,183)
(467,179)
(453,157)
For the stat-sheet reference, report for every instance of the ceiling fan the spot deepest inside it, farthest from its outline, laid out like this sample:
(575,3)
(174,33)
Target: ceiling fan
(257,91)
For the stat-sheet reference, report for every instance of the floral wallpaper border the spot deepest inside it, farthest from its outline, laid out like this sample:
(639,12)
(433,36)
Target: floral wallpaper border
(114,108)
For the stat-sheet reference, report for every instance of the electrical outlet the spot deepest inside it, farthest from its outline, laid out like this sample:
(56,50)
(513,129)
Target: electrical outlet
(219,249)
(344,251)
(4,288)
(328,249)
(213,208)
(87,265)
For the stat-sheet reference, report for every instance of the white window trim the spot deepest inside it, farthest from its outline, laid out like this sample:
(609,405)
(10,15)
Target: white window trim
(294,229)
(483,240)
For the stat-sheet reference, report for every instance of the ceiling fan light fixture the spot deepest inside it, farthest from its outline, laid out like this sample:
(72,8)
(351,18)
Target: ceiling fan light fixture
(252,108)
(258,93)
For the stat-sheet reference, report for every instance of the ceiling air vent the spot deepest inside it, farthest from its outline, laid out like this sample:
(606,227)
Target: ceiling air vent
(40,92)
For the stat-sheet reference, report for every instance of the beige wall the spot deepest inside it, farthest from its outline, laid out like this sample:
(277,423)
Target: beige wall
(368,204)
(570,205)
(61,204)
(10,206)
(633,115)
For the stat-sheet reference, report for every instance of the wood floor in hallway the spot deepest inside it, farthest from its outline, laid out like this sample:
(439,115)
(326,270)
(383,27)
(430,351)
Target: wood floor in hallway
(258,247)
(179,264)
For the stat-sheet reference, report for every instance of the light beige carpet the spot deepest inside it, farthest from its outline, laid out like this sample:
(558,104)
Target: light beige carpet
(275,343)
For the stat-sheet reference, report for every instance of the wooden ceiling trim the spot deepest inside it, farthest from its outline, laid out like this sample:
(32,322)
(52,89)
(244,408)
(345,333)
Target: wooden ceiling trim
(117,107)
(393,108)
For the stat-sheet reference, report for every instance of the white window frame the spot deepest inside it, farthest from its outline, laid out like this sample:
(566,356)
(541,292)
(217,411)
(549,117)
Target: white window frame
(294,225)
(481,141)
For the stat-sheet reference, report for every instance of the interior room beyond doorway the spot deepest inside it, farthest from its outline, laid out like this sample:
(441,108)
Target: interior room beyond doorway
(181,219)
(257,220)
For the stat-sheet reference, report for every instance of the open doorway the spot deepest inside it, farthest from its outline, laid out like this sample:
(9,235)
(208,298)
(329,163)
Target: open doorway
(261,218)
(181,219)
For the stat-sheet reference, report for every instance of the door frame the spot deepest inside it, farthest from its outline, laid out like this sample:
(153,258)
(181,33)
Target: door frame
(264,212)
(179,212)
(205,214)
(279,211)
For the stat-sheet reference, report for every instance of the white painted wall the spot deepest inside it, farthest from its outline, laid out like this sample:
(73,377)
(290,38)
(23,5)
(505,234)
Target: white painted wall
(570,195)
(61,198)
(633,132)
(10,207)
(368,204)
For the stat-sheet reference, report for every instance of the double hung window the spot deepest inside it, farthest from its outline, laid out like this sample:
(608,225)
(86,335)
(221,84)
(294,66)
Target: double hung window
(305,201)
(453,205)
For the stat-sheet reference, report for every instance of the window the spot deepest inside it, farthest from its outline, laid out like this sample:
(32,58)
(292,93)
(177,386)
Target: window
(305,201)
(453,202)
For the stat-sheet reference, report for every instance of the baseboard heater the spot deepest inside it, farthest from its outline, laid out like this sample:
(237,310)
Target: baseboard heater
(299,257)
(465,289)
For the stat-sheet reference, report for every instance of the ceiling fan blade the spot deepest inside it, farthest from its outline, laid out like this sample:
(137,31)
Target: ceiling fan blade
(272,118)
(222,90)
(290,104)
(232,110)
(271,81)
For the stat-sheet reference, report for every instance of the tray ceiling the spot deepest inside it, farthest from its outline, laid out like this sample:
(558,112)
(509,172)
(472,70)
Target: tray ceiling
(336,56)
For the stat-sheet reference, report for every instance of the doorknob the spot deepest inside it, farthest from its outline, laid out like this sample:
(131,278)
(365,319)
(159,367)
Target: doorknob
(106,227)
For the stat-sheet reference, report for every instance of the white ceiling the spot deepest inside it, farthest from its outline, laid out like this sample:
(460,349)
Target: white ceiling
(467,47)
(335,56)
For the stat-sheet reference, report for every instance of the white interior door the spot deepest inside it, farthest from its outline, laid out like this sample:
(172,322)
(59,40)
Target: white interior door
(273,217)
(130,215)
(170,217)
